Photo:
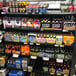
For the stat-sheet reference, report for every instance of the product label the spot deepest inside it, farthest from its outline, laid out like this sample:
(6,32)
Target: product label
(68,40)
(59,56)
(59,40)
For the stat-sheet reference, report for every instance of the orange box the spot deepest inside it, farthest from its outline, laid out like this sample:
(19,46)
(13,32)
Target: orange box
(25,50)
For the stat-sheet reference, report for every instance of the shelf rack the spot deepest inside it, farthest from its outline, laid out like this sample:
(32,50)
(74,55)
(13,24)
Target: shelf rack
(34,30)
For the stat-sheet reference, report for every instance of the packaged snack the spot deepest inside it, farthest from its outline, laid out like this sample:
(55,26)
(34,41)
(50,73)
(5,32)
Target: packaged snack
(8,36)
(18,63)
(13,22)
(45,24)
(2,60)
(4,22)
(52,70)
(59,71)
(36,23)
(17,23)
(32,37)
(59,39)
(25,50)
(38,38)
(23,38)
(9,22)
(25,62)
(69,25)
(24,23)
(16,49)
(8,48)
(51,38)
(41,38)
(66,71)
(30,23)
(15,37)
(56,24)
(68,39)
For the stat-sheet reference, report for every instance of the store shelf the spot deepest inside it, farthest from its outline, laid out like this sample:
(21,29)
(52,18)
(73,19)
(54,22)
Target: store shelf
(50,13)
(36,30)
(14,68)
(38,44)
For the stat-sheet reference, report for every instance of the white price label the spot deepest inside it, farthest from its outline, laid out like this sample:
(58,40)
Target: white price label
(45,58)
(61,45)
(3,13)
(59,60)
(15,55)
(65,30)
(56,45)
(33,57)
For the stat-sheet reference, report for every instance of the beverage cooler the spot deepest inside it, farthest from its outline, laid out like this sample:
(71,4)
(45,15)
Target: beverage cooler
(37,38)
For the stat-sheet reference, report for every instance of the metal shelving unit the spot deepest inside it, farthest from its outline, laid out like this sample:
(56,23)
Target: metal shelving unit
(35,30)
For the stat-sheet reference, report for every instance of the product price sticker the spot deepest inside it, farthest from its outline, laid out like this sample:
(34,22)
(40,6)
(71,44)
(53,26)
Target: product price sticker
(59,74)
(15,55)
(31,43)
(61,45)
(37,43)
(56,45)
(25,70)
(45,58)
(52,73)
(33,57)
(25,43)
(65,30)
(59,60)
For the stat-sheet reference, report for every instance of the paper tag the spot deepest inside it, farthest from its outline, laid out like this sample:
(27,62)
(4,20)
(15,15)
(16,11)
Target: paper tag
(56,45)
(52,73)
(31,43)
(3,13)
(45,58)
(59,60)
(54,6)
(65,30)
(59,74)
(61,45)
(25,43)
(37,43)
(33,57)
(25,70)
(15,55)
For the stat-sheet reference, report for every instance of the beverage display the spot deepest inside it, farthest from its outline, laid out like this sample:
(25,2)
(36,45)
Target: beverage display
(25,7)
(37,38)
(61,23)
(41,38)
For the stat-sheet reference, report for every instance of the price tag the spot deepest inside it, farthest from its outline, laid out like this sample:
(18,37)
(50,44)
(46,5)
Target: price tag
(65,30)
(25,43)
(33,57)
(61,45)
(56,45)
(37,43)
(52,73)
(59,60)
(3,13)
(25,70)
(31,43)
(59,74)
(42,29)
(45,58)
(15,55)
